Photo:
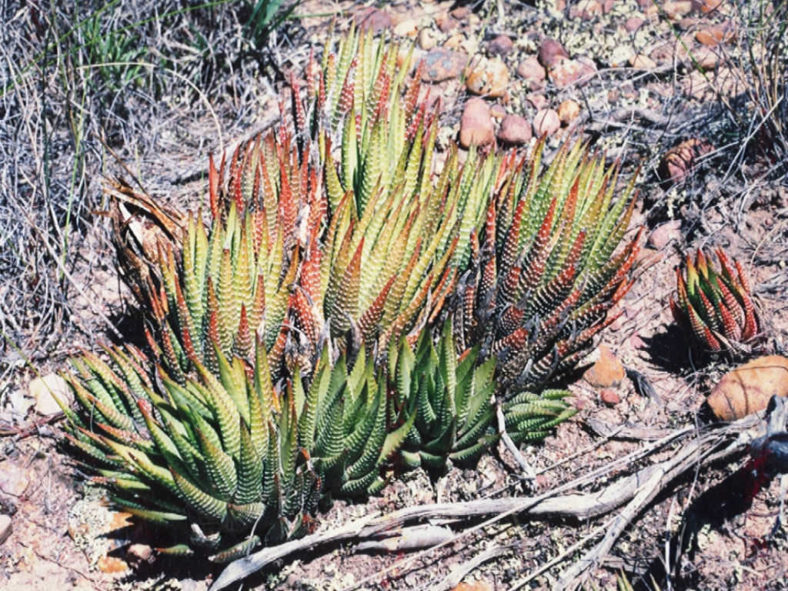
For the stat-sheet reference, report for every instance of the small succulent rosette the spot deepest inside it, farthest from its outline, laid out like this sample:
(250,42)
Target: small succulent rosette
(714,303)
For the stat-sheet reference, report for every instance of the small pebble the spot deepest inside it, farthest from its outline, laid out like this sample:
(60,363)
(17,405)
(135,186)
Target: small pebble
(642,62)
(609,397)
(373,19)
(532,71)
(607,371)
(567,72)
(515,130)
(551,52)
(476,126)
(546,122)
(443,64)
(427,39)
(537,100)
(489,77)
(501,45)
(44,389)
(633,23)
(568,111)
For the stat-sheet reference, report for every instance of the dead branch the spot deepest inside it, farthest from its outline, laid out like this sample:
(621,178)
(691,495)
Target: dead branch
(638,490)
(662,475)
(707,449)
(409,538)
(626,431)
(527,472)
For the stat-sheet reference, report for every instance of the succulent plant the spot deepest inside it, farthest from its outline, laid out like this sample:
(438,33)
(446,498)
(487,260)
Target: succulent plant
(282,262)
(208,458)
(451,401)
(548,270)
(714,304)
(346,312)
(374,242)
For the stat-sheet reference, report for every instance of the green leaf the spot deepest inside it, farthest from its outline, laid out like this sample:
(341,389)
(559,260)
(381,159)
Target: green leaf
(200,501)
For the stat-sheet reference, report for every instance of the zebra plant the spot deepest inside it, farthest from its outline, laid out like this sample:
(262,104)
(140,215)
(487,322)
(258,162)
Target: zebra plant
(231,461)
(300,247)
(211,459)
(451,401)
(714,304)
(281,262)
(270,316)
(345,313)
(548,270)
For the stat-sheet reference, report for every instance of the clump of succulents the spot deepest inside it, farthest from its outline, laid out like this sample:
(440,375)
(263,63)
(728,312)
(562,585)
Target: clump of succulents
(548,269)
(714,304)
(347,311)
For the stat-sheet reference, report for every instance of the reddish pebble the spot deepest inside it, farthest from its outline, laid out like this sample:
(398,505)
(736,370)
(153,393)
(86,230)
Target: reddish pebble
(568,111)
(609,397)
(476,126)
(532,71)
(551,52)
(487,76)
(642,62)
(373,19)
(607,371)
(443,64)
(633,23)
(537,100)
(566,72)
(514,130)
(546,122)
(711,36)
(501,45)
